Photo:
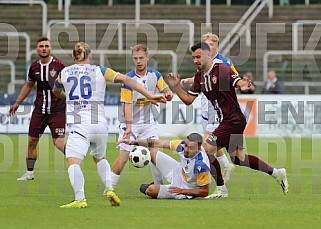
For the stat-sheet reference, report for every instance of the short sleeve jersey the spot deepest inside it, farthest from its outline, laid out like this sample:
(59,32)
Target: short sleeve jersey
(218,85)
(142,112)
(85,86)
(45,75)
(195,171)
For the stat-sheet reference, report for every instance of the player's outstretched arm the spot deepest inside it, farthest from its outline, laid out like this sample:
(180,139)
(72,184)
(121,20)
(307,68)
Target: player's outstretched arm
(244,84)
(149,143)
(174,81)
(128,113)
(58,90)
(201,191)
(121,78)
(25,91)
(168,94)
(187,81)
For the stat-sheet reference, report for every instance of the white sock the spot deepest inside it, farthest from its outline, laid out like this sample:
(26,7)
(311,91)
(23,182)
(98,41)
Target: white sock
(30,172)
(114,179)
(224,162)
(77,181)
(166,165)
(104,173)
(157,175)
(275,173)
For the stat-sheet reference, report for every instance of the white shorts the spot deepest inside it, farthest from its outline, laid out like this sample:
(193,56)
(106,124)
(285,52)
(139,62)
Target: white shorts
(209,115)
(165,194)
(144,131)
(177,181)
(82,136)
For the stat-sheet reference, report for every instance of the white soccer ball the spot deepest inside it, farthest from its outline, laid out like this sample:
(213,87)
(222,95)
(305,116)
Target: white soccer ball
(139,156)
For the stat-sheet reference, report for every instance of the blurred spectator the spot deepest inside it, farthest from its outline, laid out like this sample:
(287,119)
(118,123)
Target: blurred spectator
(272,84)
(248,75)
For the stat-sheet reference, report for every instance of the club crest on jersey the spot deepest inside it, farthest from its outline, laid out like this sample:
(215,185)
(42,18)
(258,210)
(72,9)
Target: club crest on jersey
(53,73)
(214,79)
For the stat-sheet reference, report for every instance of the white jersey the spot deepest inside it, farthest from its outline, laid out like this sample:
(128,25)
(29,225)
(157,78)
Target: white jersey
(85,86)
(142,107)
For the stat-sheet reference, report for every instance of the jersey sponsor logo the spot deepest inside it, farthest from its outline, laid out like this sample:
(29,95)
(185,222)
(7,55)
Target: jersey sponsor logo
(142,102)
(53,73)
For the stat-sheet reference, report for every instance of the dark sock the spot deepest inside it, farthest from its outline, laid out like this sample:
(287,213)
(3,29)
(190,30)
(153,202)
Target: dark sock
(254,162)
(216,171)
(30,163)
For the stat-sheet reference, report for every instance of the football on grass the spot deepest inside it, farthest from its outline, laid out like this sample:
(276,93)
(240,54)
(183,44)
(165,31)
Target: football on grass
(139,156)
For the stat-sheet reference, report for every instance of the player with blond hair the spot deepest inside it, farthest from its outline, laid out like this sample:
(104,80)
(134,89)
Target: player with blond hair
(137,120)
(83,86)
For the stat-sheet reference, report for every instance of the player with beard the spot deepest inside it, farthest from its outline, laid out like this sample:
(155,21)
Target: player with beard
(218,82)
(49,110)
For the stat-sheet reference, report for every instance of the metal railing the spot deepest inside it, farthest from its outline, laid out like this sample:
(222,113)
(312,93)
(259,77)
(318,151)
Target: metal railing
(42,3)
(11,86)
(120,24)
(306,85)
(297,37)
(101,54)
(244,24)
(13,80)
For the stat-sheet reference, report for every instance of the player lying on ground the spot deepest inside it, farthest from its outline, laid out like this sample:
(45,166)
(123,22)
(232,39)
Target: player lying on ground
(190,178)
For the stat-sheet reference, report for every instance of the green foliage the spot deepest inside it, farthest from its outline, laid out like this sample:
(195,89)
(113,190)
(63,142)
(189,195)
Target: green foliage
(255,201)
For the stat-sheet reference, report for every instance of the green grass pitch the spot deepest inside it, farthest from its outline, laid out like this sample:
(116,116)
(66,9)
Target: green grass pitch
(255,199)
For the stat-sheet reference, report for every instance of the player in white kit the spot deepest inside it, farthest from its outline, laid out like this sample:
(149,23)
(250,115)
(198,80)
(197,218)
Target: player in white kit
(83,86)
(190,177)
(137,119)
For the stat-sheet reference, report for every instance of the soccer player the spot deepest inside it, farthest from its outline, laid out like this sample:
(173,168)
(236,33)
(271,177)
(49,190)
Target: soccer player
(217,81)
(210,121)
(191,177)
(137,119)
(84,90)
(49,110)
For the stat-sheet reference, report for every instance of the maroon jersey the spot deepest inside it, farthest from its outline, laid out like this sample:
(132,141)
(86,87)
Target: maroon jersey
(218,85)
(45,76)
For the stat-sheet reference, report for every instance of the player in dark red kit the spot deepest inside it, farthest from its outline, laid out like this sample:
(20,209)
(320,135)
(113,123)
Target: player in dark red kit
(218,82)
(49,110)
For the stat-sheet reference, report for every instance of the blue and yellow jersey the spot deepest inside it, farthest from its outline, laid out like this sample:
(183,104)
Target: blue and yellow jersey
(195,171)
(153,82)
(219,58)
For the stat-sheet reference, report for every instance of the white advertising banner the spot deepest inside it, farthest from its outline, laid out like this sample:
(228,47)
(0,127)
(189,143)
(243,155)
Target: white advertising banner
(282,115)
